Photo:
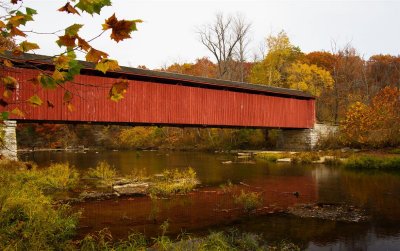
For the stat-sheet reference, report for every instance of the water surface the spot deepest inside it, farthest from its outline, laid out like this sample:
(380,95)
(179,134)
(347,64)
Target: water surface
(203,210)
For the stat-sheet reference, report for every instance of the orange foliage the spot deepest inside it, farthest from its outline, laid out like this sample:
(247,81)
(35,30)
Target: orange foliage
(377,124)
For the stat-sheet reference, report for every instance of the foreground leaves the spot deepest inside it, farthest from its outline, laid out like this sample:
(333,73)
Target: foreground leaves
(120,29)
(118,90)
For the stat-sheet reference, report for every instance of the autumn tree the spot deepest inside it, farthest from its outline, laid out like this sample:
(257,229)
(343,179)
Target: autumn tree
(375,124)
(226,38)
(309,78)
(274,68)
(66,65)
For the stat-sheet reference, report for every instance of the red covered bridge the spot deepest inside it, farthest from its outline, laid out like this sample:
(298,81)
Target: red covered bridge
(159,98)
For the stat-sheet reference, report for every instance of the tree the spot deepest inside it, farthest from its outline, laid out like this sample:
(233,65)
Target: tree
(376,124)
(17,15)
(309,78)
(273,69)
(226,39)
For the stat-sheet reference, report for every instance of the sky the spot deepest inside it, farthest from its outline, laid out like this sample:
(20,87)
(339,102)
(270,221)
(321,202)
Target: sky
(168,33)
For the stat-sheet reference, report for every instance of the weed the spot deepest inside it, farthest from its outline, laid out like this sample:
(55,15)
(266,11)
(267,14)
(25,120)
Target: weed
(271,157)
(103,173)
(228,187)
(249,200)
(305,157)
(173,182)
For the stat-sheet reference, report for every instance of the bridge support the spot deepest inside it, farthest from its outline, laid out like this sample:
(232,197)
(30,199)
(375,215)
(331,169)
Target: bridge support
(304,139)
(9,138)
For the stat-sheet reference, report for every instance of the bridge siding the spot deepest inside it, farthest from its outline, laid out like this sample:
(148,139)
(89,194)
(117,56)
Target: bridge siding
(158,103)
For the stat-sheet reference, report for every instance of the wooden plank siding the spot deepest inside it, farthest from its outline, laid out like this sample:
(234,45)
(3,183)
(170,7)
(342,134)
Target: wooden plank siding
(154,102)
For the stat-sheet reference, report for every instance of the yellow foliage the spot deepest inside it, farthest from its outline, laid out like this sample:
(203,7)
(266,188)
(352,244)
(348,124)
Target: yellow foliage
(309,78)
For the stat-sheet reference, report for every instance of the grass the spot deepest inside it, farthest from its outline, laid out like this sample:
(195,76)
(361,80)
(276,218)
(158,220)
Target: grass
(249,200)
(373,162)
(271,157)
(103,174)
(395,151)
(305,157)
(28,219)
(58,176)
(222,241)
(173,182)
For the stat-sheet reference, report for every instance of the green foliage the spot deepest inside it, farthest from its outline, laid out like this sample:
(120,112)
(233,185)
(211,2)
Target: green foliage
(28,220)
(372,162)
(271,157)
(173,182)
(92,6)
(58,176)
(103,173)
(249,200)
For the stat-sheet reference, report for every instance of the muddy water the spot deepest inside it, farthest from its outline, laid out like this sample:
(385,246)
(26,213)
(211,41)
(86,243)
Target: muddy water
(212,208)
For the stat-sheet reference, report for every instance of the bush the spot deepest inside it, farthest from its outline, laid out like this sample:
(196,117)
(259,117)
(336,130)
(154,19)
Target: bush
(103,173)
(249,200)
(173,182)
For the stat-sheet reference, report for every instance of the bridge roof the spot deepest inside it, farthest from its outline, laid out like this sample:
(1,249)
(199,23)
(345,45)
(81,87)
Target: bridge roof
(130,72)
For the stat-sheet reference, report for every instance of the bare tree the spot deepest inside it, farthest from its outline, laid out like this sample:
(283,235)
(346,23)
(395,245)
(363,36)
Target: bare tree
(225,39)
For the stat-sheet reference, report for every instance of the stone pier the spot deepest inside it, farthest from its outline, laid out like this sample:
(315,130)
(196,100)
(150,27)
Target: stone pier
(304,139)
(9,139)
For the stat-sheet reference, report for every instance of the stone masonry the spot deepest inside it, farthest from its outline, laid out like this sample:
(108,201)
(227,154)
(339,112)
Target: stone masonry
(304,139)
(9,149)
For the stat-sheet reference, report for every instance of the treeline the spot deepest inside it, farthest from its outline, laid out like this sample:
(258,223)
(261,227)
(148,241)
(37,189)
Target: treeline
(31,136)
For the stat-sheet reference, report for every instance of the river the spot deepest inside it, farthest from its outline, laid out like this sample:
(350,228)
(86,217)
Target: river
(205,209)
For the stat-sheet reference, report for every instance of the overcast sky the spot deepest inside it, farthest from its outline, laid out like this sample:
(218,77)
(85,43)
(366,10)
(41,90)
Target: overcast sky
(168,33)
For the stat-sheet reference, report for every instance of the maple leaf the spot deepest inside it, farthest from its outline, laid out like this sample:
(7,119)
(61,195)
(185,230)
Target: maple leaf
(16,32)
(73,29)
(118,90)
(107,64)
(121,29)
(2,24)
(67,97)
(95,55)
(28,46)
(66,40)
(62,62)
(15,1)
(35,100)
(83,44)
(18,112)
(69,9)
(92,6)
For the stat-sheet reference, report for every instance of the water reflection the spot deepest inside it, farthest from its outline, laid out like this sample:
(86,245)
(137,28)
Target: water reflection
(378,192)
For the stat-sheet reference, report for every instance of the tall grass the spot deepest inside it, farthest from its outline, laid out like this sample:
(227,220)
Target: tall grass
(171,182)
(28,219)
(372,162)
(103,173)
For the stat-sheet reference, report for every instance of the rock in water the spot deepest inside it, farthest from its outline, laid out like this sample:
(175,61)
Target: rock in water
(132,189)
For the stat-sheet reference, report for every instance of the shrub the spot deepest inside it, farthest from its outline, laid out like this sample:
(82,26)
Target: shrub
(173,182)
(249,200)
(103,173)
